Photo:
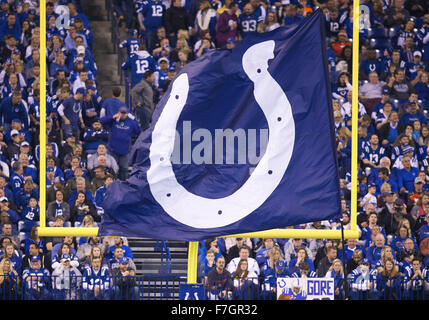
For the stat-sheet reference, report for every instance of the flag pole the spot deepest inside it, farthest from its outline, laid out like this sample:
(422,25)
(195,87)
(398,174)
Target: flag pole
(344,257)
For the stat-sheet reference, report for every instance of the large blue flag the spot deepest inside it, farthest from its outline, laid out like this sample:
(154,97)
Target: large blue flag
(242,141)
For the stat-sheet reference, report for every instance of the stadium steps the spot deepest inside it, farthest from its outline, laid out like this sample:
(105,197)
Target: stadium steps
(104,53)
(148,260)
(154,285)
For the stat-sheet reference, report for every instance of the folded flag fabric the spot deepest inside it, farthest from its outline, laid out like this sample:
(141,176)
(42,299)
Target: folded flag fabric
(242,141)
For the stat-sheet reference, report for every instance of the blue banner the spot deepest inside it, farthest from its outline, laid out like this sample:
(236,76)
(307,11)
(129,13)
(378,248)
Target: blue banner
(242,141)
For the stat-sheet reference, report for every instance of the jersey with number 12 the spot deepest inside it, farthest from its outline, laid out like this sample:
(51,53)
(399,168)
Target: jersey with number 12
(152,12)
(139,63)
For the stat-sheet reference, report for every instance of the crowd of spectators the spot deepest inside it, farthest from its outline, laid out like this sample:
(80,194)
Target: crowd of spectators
(84,153)
(89,136)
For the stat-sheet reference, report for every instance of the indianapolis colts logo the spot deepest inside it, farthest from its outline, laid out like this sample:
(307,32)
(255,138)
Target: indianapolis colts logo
(200,212)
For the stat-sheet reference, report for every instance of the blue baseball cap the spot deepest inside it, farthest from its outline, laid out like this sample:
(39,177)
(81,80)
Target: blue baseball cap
(172,68)
(82,91)
(365,261)
(230,40)
(65,256)
(35,258)
(407,148)
(123,109)
(386,91)
(132,31)
(17,120)
(91,88)
(49,169)
(123,260)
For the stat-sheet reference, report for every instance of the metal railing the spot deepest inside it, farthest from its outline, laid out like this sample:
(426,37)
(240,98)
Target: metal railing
(164,249)
(233,288)
(165,287)
(39,287)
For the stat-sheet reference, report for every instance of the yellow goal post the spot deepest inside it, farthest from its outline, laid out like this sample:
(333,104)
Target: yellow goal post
(45,231)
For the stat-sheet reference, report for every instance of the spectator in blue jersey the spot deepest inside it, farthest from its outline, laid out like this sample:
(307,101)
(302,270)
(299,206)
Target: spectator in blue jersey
(245,282)
(301,256)
(291,16)
(371,224)
(349,250)
(37,281)
(81,207)
(406,176)
(74,14)
(131,44)
(369,65)
(363,281)
(119,242)
(389,131)
(118,254)
(263,253)
(249,20)
(70,111)
(9,252)
(30,215)
(372,153)
(208,263)
(94,136)
(270,281)
(11,27)
(96,281)
(413,114)
(139,63)
(13,107)
(111,106)
(123,129)
(64,248)
(150,18)
(373,253)
(389,281)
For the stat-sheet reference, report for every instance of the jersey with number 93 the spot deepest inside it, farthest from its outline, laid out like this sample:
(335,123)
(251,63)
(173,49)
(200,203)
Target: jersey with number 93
(248,24)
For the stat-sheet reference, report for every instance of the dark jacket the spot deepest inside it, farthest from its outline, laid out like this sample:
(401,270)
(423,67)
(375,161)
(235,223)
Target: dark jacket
(323,267)
(175,19)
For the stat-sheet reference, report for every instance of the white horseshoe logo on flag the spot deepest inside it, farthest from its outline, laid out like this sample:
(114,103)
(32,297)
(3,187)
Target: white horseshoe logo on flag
(200,212)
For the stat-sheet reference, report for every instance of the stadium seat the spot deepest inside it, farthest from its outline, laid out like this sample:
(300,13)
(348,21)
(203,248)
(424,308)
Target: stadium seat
(393,32)
(379,53)
(377,33)
(375,43)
